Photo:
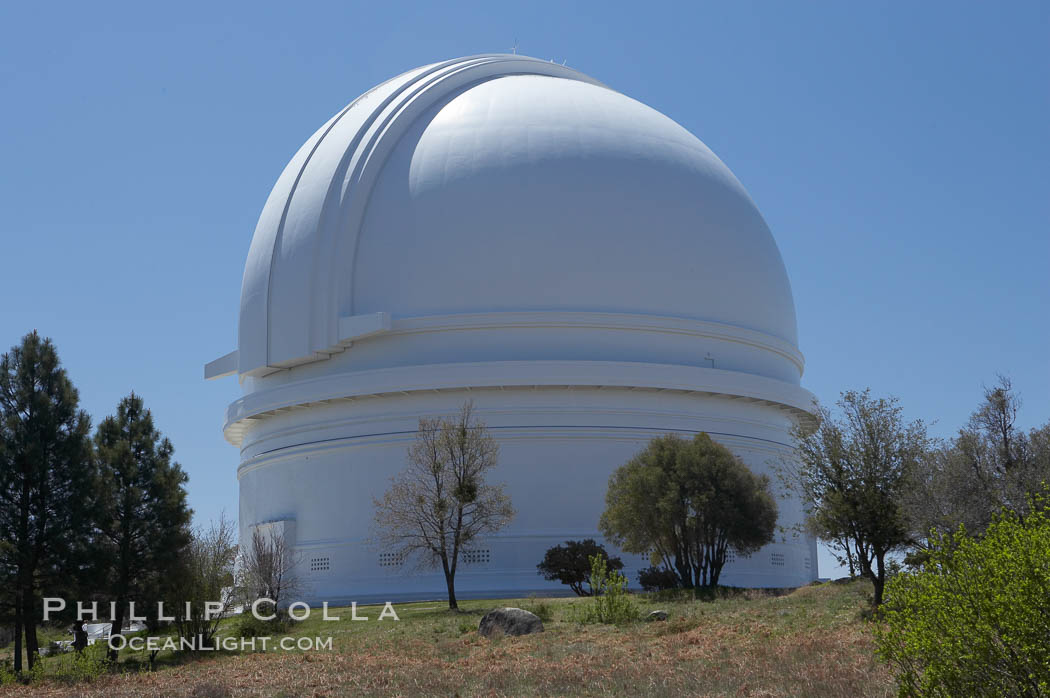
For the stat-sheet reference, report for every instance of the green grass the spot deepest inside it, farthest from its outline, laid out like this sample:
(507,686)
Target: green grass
(810,642)
(46,634)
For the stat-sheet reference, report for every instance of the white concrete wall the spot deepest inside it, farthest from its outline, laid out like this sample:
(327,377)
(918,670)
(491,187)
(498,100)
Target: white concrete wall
(322,466)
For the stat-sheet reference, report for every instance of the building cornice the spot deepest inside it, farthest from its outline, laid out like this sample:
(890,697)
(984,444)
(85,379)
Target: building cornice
(359,328)
(509,375)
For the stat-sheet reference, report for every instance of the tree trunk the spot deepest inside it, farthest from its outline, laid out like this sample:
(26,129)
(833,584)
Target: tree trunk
(685,572)
(849,557)
(879,580)
(450,582)
(118,624)
(18,632)
(716,573)
(29,622)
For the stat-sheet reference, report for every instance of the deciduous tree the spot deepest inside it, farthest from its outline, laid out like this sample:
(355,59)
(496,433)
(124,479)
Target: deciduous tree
(205,583)
(990,464)
(853,472)
(441,504)
(268,568)
(688,501)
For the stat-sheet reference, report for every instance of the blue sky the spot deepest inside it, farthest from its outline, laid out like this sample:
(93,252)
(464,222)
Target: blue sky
(899,152)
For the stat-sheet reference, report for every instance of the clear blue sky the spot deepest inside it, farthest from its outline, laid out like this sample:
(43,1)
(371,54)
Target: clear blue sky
(899,152)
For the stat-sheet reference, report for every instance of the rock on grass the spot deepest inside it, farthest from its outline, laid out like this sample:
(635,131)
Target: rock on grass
(510,621)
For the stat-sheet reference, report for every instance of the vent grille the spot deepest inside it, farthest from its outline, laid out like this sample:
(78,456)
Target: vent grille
(777,559)
(477,557)
(806,562)
(320,564)
(390,560)
(734,556)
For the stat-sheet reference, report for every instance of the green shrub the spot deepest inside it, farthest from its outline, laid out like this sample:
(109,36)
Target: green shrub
(35,674)
(86,666)
(570,563)
(975,619)
(657,579)
(250,626)
(62,666)
(71,667)
(611,603)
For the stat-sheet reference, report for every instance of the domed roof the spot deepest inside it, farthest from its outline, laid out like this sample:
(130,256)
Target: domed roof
(502,184)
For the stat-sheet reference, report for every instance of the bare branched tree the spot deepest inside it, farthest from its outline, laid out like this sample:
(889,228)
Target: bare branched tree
(206,582)
(991,464)
(267,568)
(440,505)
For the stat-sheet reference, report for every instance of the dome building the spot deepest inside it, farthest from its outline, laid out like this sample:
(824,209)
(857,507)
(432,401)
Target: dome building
(509,231)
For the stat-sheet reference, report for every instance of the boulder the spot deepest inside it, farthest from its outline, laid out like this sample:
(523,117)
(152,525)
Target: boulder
(657,615)
(510,621)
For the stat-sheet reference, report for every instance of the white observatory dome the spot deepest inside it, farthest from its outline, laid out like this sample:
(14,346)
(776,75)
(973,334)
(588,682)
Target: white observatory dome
(507,230)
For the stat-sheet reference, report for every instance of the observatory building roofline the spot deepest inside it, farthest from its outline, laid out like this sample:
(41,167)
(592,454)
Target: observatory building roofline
(318,204)
(438,193)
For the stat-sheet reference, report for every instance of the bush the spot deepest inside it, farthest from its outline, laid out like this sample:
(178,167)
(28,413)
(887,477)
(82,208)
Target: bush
(611,603)
(207,570)
(571,564)
(34,674)
(975,619)
(657,579)
(86,666)
(66,667)
(250,626)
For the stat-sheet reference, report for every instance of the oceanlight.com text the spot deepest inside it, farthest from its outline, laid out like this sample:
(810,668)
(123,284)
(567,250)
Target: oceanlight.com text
(229,644)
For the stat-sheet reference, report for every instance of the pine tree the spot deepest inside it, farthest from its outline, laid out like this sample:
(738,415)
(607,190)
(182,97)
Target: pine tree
(143,519)
(46,484)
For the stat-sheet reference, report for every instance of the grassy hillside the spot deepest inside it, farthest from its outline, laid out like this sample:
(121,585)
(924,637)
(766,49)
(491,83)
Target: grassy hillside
(811,642)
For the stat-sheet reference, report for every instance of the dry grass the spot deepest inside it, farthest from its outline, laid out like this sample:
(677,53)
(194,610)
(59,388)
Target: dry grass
(810,643)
